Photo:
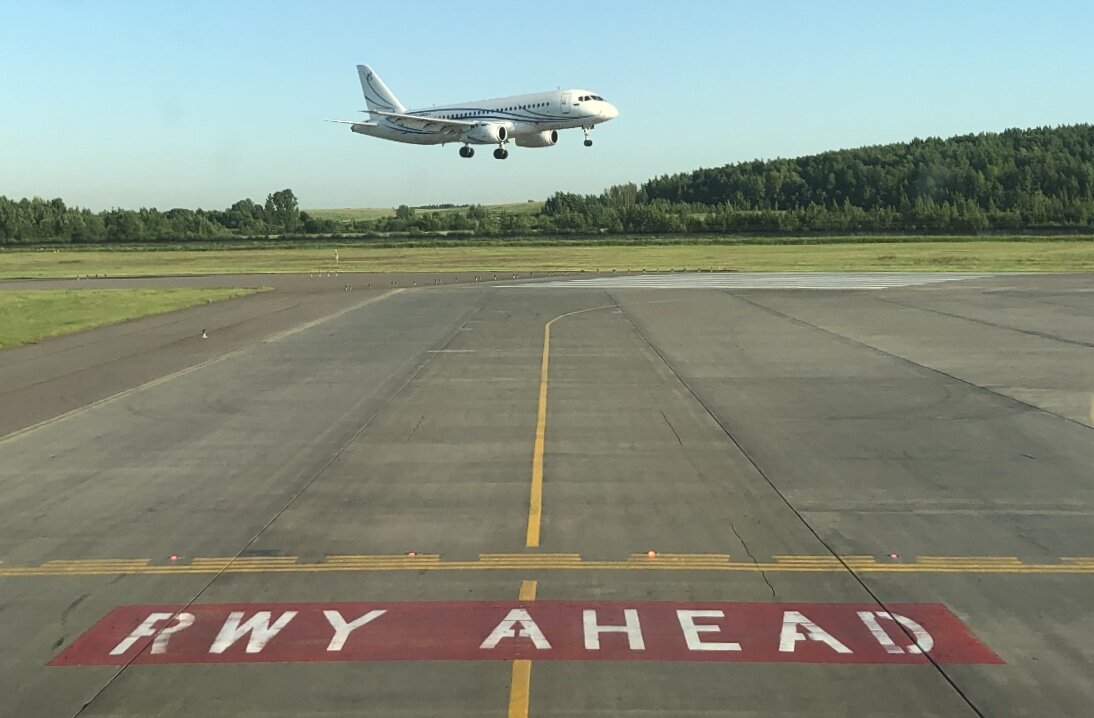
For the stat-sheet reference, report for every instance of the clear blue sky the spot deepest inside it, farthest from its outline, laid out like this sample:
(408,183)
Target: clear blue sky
(189,104)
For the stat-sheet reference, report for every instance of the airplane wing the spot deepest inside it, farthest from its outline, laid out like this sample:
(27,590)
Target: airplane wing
(353,122)
(430,124)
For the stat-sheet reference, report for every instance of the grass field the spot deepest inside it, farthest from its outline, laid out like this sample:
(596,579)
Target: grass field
(30,316)
(1027,256)
(351,213)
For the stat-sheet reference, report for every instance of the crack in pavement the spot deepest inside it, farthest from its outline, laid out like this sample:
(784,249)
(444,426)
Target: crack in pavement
(763,574)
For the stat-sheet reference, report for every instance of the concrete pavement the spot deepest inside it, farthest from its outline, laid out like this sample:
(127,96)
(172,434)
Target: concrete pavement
(774,447)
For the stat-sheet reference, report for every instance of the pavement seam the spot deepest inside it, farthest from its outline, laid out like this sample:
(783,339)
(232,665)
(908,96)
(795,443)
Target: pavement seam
(184,371)
(801,517)
(1027,332)
(134,355)
(428,358)
(905,360)
(672,370)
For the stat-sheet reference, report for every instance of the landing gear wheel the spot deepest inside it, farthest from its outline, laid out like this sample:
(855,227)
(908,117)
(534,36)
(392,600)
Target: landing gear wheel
(588,143)
(500,153)
(467,151)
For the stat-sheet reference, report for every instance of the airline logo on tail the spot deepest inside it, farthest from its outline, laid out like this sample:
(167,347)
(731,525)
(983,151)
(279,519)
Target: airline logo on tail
(377,94)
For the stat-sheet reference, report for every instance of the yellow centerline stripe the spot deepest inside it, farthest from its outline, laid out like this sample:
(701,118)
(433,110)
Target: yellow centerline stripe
(527,591)
(535,499)
(520,686)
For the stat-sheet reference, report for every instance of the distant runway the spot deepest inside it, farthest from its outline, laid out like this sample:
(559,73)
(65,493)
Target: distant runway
(759,280)
(363,498)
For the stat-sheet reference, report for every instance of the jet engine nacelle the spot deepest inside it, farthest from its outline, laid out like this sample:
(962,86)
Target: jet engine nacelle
(487,133)
(546,138)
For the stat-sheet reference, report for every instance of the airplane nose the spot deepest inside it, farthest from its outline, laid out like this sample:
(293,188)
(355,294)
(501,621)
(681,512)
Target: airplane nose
(610,111)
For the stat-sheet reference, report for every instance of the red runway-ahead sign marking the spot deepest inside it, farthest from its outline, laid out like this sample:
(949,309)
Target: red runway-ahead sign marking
(543,630)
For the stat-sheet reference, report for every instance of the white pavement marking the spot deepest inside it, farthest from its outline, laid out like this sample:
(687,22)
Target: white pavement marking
(190,369)
(756,280)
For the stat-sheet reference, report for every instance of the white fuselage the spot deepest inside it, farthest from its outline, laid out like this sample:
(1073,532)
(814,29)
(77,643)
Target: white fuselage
(521,115)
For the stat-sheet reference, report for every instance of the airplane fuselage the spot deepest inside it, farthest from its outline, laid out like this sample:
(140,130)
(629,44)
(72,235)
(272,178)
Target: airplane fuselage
(525,120)
(522,115)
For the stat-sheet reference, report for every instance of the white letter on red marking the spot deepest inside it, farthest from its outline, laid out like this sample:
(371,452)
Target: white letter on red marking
(630,626)
(258,626)
(923,640)
(342,629)
(148,629)
(790,635)
(508,629)
(692,631)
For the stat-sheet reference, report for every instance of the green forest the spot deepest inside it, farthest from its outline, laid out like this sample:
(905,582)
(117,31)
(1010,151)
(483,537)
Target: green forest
(1035,180)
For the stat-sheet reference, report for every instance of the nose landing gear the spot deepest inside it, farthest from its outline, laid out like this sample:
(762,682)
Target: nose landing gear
(467,151)
(588,141)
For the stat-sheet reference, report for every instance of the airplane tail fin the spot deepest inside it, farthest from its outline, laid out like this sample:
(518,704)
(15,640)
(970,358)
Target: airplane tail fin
(377,96)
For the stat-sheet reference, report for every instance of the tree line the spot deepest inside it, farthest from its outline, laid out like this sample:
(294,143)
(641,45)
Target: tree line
(1036,179)
(29,221)
(1017,180)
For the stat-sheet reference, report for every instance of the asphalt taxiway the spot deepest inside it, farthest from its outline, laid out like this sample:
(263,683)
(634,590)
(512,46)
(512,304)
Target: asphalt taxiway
(558,447)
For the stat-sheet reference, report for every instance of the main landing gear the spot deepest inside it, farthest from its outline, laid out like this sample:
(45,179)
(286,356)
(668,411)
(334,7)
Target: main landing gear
(499,154)
(588,141)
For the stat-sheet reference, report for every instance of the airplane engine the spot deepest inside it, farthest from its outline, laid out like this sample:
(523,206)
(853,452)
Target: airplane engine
(547,138)
(487,133)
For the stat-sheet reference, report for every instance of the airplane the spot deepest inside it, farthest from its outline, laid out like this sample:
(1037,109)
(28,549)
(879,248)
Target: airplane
(526,120)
